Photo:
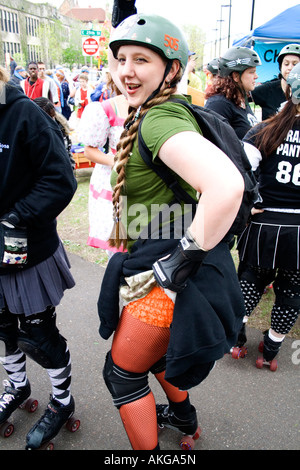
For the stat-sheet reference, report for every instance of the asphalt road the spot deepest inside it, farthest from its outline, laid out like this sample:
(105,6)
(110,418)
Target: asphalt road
(239,406)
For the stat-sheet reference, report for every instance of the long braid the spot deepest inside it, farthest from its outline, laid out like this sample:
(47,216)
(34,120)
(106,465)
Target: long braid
(118,236)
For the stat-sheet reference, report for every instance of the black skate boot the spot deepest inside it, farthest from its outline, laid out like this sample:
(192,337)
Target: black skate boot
(270,349)
(239,350)
(188,426)
(49,425)
(12,398)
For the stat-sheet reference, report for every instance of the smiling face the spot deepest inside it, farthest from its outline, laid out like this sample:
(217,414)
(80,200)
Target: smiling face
(140,70)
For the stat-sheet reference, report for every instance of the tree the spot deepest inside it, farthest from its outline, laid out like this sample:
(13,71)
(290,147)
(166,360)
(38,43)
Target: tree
(196,40)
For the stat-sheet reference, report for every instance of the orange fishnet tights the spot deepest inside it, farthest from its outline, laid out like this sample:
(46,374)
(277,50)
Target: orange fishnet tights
(136,347)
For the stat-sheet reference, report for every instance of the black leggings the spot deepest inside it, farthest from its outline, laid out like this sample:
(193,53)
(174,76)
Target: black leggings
(286,308)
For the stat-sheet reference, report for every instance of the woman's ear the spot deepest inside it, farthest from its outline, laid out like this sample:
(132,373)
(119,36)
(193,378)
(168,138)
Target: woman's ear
(173,71)
(235,77)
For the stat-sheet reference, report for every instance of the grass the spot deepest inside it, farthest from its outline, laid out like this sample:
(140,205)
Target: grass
(73,227)
(73,223)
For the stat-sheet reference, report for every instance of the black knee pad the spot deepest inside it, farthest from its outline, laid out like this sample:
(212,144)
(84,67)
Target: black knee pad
(159,366)
(51,353)
(124,387)
(39,339)
(8,333)
(8,344)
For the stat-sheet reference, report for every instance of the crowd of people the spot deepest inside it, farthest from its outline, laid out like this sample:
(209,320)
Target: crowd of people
(186,279)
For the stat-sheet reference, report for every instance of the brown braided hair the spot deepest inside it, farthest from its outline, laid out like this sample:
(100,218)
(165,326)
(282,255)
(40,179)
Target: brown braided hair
(118,236)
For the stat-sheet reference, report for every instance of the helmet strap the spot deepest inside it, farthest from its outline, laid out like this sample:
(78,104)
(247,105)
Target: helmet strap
(155,92)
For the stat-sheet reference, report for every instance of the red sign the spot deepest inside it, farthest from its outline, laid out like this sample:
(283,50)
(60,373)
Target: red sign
(90,46)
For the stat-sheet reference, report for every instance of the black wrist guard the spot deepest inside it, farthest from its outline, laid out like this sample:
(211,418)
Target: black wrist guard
(121,10)
(173,271)
(13,219)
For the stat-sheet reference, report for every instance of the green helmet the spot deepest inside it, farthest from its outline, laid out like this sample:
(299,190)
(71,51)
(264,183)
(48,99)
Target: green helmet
(237,59)
(294,81)
(293,49)
(154,32)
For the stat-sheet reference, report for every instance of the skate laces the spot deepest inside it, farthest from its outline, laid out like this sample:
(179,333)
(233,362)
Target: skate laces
(163,410)
(7,396)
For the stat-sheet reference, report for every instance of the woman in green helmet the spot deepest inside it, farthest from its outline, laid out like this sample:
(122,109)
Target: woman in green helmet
(228,94)
(204,306)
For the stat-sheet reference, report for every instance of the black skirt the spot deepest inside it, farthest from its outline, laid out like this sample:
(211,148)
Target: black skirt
(271,240)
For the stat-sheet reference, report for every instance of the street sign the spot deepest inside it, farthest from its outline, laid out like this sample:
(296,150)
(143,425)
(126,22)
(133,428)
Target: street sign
(90,32)
(90,46)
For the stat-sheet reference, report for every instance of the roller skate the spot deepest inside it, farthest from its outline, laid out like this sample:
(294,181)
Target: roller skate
(49,425)
(188,426)
(239,350)
(269,349)
(11,399)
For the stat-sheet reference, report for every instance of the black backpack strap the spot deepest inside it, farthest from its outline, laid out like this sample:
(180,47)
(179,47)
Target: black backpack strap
(163,171)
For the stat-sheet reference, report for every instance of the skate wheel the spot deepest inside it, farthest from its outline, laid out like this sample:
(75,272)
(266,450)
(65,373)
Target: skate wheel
(31,405)
(235,353)
(159,429)
(273,365)
(73,424)
(197,434)
(47,446)
(259,362)
(244,351)
(6,429)
(261,347)
(187,443)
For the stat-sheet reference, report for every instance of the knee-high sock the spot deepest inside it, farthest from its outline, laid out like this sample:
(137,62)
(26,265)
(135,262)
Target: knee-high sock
(15,366)
(61,382)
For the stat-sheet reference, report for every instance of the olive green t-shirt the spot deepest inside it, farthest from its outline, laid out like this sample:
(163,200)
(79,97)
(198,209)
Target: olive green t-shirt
(144,190)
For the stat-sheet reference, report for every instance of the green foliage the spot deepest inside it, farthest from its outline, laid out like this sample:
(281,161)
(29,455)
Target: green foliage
(196,40)
(72,55)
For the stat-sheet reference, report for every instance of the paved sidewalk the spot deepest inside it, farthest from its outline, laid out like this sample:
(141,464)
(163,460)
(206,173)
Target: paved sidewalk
(239,406)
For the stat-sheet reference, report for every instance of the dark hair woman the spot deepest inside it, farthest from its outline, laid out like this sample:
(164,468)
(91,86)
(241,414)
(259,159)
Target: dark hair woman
(228,93)
(269,246)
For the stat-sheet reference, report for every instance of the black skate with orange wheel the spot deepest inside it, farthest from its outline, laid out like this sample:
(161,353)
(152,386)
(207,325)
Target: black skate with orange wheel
(261,361)
(187,426)
(11,399)
(54,418)
(240,350)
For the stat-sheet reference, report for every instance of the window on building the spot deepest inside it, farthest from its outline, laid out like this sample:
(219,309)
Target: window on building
(1,20)
(16,23)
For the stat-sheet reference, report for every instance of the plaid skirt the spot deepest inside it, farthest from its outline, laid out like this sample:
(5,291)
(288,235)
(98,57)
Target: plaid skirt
(32,290)
(271,240)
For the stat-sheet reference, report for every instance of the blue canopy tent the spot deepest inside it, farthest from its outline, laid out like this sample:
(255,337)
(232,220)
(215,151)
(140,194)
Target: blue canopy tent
(268,40)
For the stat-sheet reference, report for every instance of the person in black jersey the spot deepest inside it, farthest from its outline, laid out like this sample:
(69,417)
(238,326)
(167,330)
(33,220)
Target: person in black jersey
(269,246)
(271,94)
(228,94)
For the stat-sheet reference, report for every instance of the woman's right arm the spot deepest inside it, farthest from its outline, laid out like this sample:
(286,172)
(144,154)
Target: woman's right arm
(93,133)
(97,156)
